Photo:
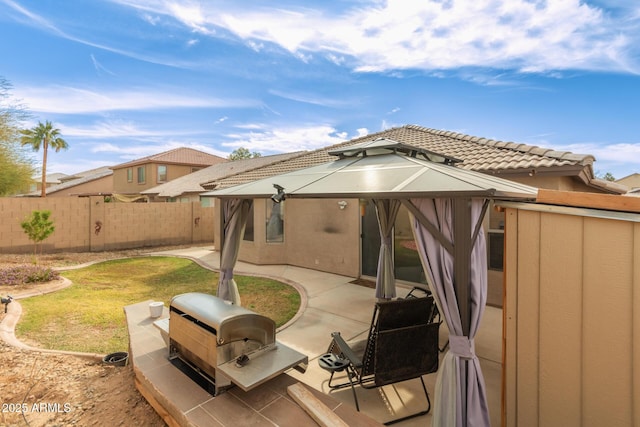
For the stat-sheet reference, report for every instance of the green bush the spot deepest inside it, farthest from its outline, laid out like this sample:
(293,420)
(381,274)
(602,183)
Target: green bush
(26,273)
(38,227)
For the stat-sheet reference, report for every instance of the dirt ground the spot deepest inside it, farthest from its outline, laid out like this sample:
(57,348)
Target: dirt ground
(41,389)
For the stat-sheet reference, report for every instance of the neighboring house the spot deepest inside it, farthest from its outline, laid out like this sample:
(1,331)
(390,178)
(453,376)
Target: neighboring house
(632,181)
(132,178)
(88,183)
(345,233)
(188,188)
(50,180)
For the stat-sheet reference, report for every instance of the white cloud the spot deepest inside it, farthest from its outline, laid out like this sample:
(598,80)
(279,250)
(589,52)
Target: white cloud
(74,100)
(285,139)
(619,152)
(129,152)
(112,130)
(527,35)
(99,67)
(361,132)
(310,98)
(71,168)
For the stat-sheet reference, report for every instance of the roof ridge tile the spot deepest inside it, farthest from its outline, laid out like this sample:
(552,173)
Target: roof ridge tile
(521,147)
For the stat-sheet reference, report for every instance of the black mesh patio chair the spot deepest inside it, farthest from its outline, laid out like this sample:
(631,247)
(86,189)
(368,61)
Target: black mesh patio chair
(420,292)
(402,345)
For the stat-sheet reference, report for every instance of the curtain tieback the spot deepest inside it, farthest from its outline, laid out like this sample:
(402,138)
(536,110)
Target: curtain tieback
(227,273)
(462,346)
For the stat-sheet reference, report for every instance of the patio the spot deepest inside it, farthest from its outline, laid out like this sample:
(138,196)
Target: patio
(330,303)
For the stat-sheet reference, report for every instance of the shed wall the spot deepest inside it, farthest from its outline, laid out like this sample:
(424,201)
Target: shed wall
(572,340)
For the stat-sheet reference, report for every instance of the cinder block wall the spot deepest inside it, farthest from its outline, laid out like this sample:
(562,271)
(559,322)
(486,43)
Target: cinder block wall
(90,224)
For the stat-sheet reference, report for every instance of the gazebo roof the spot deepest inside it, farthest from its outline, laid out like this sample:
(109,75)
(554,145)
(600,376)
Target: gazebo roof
(382,169)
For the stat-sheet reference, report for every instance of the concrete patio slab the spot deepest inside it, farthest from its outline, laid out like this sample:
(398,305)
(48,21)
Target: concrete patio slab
(182,402)
(334,304)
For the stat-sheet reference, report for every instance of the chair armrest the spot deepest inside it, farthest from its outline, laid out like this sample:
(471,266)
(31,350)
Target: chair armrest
(345,350)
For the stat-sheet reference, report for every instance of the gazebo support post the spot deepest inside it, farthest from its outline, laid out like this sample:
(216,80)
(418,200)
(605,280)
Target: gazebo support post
(462,246)
(462,259)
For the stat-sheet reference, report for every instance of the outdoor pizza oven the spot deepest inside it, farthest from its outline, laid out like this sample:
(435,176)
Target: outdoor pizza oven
(227,344)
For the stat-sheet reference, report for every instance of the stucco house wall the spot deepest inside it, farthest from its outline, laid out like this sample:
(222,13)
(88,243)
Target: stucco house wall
(632,181)
(102,185)
(317,235)
(123,186)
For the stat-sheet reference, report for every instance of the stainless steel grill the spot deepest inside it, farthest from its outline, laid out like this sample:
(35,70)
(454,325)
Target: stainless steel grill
(227,344)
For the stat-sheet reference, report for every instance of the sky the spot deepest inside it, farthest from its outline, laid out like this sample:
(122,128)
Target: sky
(123,79)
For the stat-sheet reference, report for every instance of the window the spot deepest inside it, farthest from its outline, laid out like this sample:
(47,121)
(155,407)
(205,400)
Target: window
(129,174)
(495,244)
(496,249)
(407,262)
(209,202)
(275,221)
(162,173)
(141,175)
(248,229)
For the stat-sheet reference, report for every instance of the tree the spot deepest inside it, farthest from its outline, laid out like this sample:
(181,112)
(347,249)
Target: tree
(243,153)
(38,227)
(606,176)
(609,177)
(45,136)
(16,168)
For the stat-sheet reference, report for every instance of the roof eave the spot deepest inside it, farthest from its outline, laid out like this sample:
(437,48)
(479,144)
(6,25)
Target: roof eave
(482,194)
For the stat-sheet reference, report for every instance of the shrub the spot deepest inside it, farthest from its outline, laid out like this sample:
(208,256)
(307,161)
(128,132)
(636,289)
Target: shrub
(38,227)
(26,273)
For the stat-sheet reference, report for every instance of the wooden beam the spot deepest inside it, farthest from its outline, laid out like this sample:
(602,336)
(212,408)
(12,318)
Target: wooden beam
(320,413)
(164,414)
(589,200)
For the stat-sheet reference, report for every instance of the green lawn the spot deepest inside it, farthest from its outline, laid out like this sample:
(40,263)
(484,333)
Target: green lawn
(89,315)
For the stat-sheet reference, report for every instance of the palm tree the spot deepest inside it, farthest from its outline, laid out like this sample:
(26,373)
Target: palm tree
(46,136)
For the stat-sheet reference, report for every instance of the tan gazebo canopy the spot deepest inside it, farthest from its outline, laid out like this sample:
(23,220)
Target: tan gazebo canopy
(447,204)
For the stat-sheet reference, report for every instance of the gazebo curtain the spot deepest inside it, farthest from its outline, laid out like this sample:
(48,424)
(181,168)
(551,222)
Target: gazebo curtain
(235,213)
(386,211)
(460,395)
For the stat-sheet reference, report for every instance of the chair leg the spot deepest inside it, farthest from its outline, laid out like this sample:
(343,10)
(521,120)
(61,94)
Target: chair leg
(343,385)
(417,414)
(353,390)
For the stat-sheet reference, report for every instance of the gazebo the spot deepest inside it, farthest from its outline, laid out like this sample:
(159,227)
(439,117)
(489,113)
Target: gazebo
(447,206)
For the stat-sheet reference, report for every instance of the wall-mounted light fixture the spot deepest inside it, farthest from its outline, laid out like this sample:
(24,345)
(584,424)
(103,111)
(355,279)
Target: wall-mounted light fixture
(342,204)
(363,206)
(279,196)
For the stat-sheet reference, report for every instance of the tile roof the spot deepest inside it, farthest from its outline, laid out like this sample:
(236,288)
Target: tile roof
(181,156)
(71,181)
(478,154)
(196,182)
(51,178)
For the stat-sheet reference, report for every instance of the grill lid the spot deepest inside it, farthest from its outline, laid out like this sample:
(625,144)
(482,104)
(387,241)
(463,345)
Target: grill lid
(230,322)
